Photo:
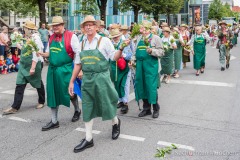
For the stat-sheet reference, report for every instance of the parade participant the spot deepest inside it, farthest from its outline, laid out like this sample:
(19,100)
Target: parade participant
(148,50)
(164,24)
(29,71)
(99,95)
(169,44)
(102,31)
(224,43)
(199,40)
(13,37)
(62,47)
(212,35)
(124,29)
(185,35)
(120,72)
(235,31)
(177,52)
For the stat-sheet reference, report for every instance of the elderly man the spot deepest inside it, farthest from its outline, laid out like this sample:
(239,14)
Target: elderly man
(62,47)
(148,50)
(225,37)
(102,30)
(99,95)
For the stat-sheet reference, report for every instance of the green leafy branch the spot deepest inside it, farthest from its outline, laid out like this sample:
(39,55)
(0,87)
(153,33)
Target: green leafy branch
(161,153)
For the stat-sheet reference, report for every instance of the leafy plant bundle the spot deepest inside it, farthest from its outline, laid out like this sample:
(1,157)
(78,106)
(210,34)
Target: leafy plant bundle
(30,46)
(175,35)
(188,48)
(161,153)
(172,41)
(135,30)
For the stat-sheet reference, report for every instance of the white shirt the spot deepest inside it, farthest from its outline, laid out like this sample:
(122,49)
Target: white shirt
(74,44)
(36,38)
(168,40)
(105,47)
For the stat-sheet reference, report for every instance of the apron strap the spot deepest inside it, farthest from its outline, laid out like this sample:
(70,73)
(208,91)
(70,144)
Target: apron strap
(82,45)
(99,42)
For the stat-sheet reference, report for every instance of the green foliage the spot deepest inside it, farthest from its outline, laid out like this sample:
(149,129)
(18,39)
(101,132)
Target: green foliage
(87,7)
(161,153)
(217,10)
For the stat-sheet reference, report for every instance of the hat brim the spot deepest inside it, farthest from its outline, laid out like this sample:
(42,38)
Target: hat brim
(54,24)
(166,30)
(113,36)
(123,28)
(33,28)
(222,23)
(82,24)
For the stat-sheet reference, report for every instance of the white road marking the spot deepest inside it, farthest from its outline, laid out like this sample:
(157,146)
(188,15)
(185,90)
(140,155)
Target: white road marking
(232,58)
(133,138)
(19,119)
(84,130)
(26,92)
(204,83)
(177,145)
(1,116)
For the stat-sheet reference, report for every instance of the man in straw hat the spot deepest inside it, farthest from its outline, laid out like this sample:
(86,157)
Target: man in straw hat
(224,43)
(164,24)
(124,29)
(120,72)
(30,70)
(148,50)
(99,95)
(102,30)
(62,47)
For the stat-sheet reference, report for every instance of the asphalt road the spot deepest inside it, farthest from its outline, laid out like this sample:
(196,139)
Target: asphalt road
(199,114)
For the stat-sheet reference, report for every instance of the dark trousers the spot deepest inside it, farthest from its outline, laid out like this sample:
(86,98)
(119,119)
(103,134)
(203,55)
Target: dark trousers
(19,92)
(147,105)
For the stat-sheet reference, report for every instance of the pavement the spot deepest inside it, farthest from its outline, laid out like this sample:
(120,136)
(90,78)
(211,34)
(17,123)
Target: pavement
(198,114)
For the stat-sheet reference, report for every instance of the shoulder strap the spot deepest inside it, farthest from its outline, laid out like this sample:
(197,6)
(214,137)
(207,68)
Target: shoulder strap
(99,41)
(82,45)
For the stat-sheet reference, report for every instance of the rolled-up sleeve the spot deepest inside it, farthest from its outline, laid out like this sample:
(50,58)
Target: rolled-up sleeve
(76,49)
(157,48)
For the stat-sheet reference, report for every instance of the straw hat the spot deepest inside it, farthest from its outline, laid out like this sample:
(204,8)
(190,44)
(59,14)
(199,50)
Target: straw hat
(88,18)
(102,23)
(115,33)
(164,24)
(56,20)
(222,22)
(124,27)
(30,25)
(115,26)
(184,25)
(166,29)
(176,29)
(146,24)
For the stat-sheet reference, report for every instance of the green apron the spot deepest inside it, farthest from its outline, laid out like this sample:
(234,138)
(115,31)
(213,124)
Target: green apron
(119,77)
(101,34)
(178,56)
(59,75)
(99,97)
(167,62)
(23,76)
(199,52)
(147,77)
(234,40)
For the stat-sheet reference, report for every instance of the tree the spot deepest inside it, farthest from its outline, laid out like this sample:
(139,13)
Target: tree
(102,4)
(215,10)
(87,7)
(170,7)
(135,5)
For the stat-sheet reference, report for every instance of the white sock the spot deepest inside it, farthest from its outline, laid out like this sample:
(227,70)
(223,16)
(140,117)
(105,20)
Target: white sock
(88,126)
(54,115)
(115,120)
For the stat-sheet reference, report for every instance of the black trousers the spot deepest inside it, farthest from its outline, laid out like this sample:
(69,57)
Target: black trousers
(147,105)
(19,92)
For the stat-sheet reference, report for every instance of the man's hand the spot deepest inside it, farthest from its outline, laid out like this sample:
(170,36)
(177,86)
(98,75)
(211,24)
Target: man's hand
(70,89)
(80,74)
(45,55)
(32,71)
(149,50)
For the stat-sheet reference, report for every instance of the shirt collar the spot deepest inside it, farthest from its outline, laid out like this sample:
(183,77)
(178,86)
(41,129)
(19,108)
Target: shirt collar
(97,36)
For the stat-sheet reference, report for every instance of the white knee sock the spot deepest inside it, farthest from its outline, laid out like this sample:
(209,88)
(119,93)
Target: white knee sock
(115,120)
(54,115)
(88,126)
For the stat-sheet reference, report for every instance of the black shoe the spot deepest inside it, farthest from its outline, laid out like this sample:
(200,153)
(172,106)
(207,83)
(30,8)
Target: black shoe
(145,113)
(49,126)
(120,105)
(116,130)
(84,144)
(222,68)
(227,66)
(155,114)
(202,71)
(76,116)
(124,109)
(197,74)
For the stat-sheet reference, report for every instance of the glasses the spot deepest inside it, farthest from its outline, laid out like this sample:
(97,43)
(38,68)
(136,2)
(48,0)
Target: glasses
(89,25)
